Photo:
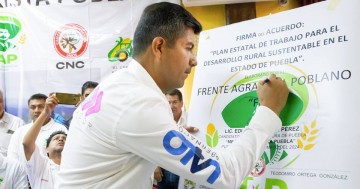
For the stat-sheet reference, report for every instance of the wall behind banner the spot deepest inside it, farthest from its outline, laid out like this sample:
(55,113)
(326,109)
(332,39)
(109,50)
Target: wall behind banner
(217,18)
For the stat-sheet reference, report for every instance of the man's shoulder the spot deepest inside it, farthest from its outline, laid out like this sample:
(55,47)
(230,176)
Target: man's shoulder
(22,129)
(14,167)
(57,126)
(131,88)
(14,118)
(12,163)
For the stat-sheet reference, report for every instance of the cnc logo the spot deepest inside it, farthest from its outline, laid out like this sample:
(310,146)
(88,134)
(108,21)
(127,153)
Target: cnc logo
(259,168)
(71,41)
(10,38)
(122,50)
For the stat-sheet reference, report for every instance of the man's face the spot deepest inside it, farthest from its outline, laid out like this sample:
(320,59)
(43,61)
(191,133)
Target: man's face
(4,34)
(57,143)
(36,106)
(1,105)
(175,105)
(87,92)
(177,61)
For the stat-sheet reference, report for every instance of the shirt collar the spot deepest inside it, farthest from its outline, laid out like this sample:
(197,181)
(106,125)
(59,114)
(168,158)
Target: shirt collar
(141,74)
(5,118)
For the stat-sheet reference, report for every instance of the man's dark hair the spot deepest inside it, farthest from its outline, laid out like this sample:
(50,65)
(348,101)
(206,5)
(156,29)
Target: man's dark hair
(87,85)
(166,20)
(176,92)
(52,135)
(37,96)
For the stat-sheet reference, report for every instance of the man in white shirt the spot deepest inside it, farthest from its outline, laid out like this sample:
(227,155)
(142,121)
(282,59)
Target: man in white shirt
(176,103)
(125,128)
(8,125)
(12,174)
(36,105)
(42,170)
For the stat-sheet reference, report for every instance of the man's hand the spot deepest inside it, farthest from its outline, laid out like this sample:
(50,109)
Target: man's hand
(191,129)
(273,93)
(50,103)
(158,174)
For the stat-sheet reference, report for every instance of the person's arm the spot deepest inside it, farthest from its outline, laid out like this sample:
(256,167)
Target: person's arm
(20,180)
(32,134)
(174,149)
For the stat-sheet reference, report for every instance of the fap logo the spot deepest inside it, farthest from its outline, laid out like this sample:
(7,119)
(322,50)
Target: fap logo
(71,41)
(10,38)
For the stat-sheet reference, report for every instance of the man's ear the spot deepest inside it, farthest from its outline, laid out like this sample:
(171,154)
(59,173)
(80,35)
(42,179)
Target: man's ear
(47,151)
(157,46)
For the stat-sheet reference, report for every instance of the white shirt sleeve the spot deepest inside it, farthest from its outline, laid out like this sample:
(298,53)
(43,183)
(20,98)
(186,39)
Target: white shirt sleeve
(35,166)
(20,178)
(157,139)
(13,174)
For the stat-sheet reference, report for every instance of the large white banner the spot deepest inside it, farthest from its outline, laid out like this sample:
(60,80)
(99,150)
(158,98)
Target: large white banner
(55,46)
(315,49)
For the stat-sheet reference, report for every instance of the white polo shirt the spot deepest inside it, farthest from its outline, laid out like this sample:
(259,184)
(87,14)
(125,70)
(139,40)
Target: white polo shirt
(8,125)
(183,119)
(16,148)
(41,171)
(125,128)
(12,174)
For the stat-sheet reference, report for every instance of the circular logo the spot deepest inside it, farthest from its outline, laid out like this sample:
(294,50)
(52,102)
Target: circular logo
(71,41)
(259,168)
(299,130)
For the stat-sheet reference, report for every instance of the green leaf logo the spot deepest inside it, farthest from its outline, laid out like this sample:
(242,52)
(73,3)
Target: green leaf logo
(238,113)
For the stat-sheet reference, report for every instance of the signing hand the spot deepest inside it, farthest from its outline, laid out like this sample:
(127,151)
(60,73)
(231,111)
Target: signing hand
(273,93)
